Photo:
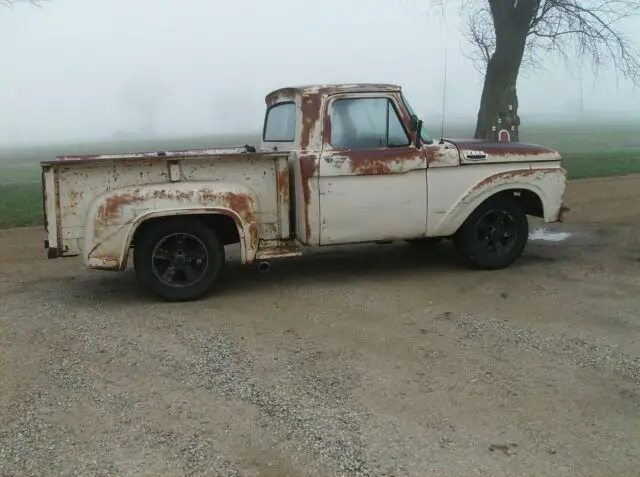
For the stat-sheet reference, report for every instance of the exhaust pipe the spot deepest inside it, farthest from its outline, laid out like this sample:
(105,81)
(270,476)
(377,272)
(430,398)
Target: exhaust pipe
(264,267)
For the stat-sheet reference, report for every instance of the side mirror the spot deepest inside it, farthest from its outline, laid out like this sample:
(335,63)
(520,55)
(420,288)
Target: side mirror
(418,133)
(414,122)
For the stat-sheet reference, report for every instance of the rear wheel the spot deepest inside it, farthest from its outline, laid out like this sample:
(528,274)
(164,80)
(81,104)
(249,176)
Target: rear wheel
(494,235)
(178,260)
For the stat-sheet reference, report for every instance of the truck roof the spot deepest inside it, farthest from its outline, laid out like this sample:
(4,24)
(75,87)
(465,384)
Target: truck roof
(333,88)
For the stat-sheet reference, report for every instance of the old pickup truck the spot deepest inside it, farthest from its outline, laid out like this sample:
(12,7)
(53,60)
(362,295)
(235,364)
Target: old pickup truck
(338,164)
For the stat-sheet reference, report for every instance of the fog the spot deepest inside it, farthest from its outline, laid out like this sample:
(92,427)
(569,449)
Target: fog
(84,69)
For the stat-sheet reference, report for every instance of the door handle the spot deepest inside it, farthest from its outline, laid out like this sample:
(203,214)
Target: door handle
(335,160)
(475,156)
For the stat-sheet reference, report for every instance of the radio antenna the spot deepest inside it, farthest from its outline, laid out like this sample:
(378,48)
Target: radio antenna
(444,88)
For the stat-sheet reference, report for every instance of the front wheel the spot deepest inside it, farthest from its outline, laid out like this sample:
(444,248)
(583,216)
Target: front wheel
(494,235)
(178,260)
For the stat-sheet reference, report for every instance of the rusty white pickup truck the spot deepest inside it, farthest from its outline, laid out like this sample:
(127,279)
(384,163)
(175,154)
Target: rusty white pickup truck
(338,164)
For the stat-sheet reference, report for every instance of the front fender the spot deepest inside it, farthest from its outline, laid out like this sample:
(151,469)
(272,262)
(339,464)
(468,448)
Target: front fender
(548,184)
(114,216)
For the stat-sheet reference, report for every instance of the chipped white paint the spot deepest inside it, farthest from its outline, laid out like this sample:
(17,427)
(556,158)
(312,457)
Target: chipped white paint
(549,235)
(146,187)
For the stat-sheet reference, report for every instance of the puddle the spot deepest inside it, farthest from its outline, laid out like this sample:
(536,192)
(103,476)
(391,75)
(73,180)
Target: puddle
(549,235)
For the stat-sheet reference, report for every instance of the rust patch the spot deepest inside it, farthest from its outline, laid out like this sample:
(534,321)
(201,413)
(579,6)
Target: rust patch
(160,194)
(181,195)
(75,196)
(310,110)
(307,169)
(107,262)
(283,188)
(372,168)
(503,148)
(241,204)
(172,195)
(283,94)
(326,129)
(253,233)
(383,161)
(503,176)
(154,157)
(110,210)
(433,156)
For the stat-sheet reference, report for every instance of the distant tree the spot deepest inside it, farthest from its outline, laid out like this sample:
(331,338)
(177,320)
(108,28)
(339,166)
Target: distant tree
(508,35)
(144,96)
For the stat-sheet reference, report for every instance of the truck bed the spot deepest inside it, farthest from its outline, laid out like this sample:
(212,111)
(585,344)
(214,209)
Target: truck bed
(71,184)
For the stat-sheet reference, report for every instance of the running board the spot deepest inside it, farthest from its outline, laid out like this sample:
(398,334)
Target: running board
(278,249)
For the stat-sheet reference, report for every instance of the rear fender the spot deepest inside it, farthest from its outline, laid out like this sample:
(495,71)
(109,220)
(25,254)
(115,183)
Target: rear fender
(548,184)
(114,216)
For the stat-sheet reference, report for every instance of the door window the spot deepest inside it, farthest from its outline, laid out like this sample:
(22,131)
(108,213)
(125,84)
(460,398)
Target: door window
(366,123)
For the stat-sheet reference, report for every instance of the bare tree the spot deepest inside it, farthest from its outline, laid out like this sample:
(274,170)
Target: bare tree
(510,35)
(144,95)
(10,3)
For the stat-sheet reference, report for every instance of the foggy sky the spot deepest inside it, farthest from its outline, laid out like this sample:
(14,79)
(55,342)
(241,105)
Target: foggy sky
(70,70)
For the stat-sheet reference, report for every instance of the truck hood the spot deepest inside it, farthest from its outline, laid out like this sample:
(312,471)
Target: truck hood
(475,150)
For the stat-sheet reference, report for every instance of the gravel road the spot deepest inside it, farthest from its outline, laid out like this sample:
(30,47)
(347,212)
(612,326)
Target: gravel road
(367,360)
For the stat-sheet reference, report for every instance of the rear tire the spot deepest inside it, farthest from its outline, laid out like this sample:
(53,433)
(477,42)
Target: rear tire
(178,260)
(494,235)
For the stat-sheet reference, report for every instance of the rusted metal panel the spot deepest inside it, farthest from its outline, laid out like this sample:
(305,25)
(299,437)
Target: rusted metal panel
(114,216)
(379,161)
(327,89)
(442,154)
(217,151)
(278,249)
(311,109)
(455,192)
(284,195)
(314,125)
(500,152)
(375,193)
(128,189)
(308,167)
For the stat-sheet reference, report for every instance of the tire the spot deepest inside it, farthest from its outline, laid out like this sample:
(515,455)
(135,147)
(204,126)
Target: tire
(476,241)
(178,260)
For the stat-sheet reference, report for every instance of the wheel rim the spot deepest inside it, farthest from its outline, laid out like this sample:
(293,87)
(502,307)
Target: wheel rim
(180,260)
(497,232)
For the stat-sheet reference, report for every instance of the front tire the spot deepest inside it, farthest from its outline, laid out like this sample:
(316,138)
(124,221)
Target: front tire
(494,235)
(178,260)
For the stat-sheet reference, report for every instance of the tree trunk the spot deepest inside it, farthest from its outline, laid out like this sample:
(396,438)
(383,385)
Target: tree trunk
(502,73)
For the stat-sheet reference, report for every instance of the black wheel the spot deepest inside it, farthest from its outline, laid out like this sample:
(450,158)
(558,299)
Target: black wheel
(494,235)
(178,260)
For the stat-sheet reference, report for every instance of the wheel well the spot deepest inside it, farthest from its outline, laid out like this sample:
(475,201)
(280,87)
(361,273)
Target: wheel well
(530,201)
(224,226)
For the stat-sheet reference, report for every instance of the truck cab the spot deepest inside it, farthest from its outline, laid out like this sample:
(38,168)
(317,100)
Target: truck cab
(365,170)
(337,165)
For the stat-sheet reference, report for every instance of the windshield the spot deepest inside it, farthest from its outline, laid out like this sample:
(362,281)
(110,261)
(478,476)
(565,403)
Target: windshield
(424,135)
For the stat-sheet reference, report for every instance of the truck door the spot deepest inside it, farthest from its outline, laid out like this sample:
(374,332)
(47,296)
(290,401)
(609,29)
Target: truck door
(372,179)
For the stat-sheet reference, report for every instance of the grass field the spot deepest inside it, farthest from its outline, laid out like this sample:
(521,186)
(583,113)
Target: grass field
(588,149)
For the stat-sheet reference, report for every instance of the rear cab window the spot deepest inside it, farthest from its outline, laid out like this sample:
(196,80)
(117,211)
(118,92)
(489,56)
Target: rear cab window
(280,123)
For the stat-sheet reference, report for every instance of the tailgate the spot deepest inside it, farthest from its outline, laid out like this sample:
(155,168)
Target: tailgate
(50,209)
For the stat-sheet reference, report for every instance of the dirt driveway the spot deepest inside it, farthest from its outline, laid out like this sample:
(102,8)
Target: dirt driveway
(361,361)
